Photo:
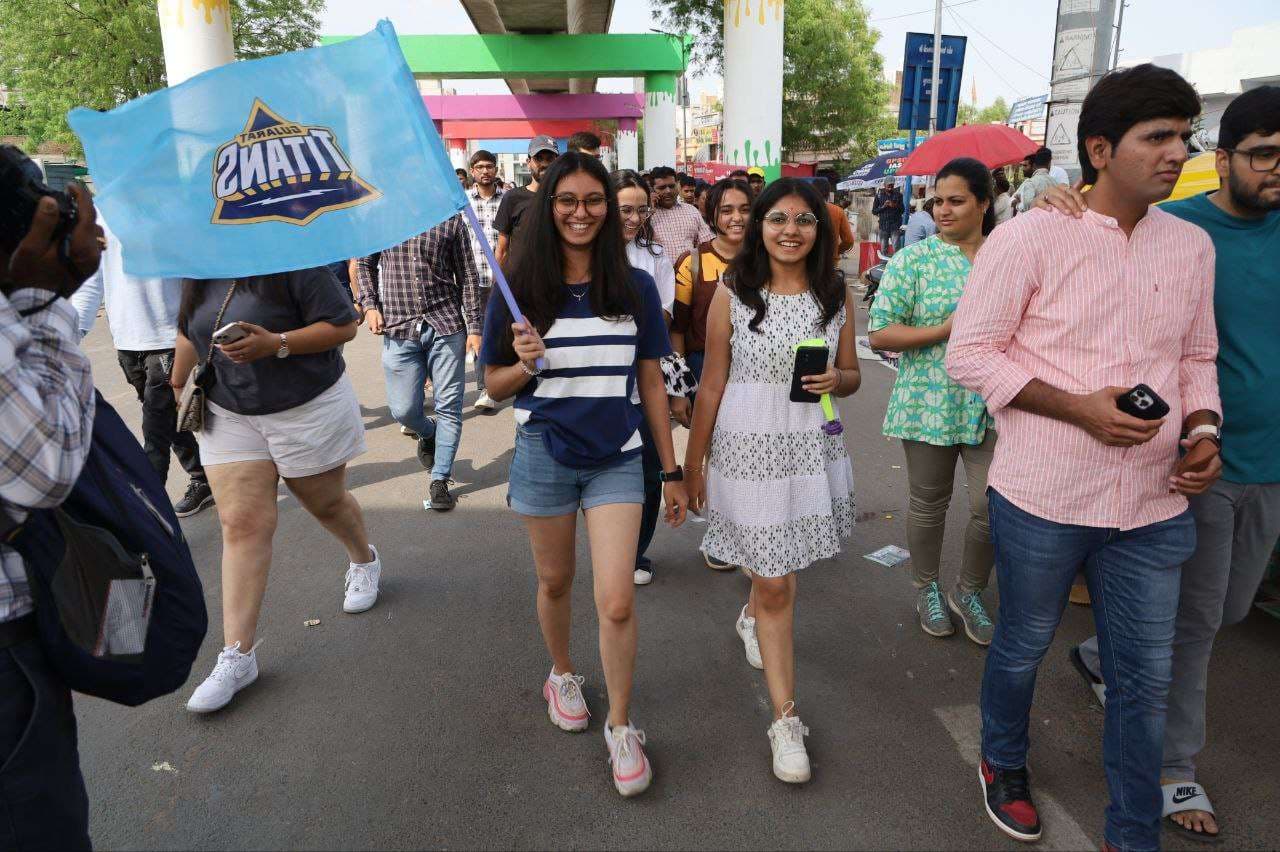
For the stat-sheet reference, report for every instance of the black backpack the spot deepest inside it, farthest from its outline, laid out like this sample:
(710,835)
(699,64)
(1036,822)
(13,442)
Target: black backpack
(119,607)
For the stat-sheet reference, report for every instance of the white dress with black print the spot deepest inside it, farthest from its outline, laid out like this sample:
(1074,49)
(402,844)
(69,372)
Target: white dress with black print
(779,489)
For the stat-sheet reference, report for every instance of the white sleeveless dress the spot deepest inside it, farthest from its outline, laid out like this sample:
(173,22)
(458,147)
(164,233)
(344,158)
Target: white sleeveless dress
(779,489)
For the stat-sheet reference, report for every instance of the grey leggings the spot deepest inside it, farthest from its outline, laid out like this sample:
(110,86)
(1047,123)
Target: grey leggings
(931,472)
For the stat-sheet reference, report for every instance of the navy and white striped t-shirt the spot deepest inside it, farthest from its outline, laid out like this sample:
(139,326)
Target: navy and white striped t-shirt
(584,394)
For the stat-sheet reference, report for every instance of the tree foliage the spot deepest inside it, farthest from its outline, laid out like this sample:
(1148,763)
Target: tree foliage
(833,91)
(59,54)
(970,114)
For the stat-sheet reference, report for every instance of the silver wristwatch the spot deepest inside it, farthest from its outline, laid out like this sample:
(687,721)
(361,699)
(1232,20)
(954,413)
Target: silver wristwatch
(283,351)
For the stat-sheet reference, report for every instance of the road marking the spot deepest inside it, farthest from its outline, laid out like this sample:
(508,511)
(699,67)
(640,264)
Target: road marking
(1061,831)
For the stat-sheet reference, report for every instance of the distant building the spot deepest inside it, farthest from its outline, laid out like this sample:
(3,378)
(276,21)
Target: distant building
(1221,73)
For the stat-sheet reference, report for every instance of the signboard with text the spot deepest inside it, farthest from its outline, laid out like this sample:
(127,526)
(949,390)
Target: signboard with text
(1082,50)
(917,81)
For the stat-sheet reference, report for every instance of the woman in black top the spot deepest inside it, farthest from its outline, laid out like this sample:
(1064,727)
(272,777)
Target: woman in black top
(280,406)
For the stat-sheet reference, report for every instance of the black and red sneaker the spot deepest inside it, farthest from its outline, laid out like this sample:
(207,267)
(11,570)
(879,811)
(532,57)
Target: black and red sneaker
(1007,796)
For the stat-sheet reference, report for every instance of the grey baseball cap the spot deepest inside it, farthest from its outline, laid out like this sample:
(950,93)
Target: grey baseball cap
(538,144)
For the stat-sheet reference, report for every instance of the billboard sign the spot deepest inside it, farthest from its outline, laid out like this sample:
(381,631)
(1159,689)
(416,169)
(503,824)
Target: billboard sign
(1081,54)
(917,81)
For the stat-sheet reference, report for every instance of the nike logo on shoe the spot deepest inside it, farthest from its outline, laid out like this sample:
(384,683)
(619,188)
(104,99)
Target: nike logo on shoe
(1185,794)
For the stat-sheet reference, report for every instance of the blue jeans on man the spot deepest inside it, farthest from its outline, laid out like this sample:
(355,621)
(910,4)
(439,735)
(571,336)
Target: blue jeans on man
(43,805)
(408,363)
(1133,578)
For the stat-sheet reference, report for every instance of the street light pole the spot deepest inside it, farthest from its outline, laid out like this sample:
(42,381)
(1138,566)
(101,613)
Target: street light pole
(1115,53)
(937,67)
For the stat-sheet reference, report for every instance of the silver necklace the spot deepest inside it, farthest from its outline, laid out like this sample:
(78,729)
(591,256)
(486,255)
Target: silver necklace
(586,288)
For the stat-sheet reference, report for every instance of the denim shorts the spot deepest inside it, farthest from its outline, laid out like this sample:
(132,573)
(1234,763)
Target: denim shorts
(542,487)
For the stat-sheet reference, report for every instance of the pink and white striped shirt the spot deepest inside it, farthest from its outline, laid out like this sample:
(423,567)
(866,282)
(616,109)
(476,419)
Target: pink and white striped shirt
(1080,306)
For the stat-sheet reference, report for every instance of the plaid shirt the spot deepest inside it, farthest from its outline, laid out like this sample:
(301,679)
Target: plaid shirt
(46,420)
(486,209)
(679,229)
(430,278)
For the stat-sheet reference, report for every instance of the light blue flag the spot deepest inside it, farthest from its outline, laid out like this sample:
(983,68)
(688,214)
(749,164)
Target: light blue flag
(272,165)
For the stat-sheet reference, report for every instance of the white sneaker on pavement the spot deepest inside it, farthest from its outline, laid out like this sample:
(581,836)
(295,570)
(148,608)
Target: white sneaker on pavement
(485,402)
(632,773)
(362,584)
(565,704)
(232,673)
(786,738)
(746,628)
(642,577)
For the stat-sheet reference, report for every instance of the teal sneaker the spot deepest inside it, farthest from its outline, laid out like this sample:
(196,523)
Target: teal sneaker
(968,606)
(933,613)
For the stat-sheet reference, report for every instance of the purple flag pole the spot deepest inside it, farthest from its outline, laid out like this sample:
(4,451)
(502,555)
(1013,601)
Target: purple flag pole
(498,277)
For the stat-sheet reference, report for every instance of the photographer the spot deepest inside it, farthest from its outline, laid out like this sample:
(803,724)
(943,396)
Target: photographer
(46,421)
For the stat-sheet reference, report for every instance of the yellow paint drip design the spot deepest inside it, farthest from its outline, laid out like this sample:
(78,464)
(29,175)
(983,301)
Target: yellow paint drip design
(742,8)
(209,7)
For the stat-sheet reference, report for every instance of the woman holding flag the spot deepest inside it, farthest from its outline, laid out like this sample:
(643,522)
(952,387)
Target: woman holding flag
(593,332)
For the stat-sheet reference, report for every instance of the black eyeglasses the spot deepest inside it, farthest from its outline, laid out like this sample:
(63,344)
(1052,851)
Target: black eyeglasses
(1260,159)
(566,204)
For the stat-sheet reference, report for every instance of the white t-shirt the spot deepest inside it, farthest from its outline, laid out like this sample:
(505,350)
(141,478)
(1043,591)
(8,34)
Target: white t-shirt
(657,265)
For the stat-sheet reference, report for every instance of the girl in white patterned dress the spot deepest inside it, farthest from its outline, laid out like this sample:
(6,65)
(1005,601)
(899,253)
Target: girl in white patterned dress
(778,486)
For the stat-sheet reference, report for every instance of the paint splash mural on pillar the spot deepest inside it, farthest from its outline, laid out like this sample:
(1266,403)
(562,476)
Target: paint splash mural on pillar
(177,10)
(742,10)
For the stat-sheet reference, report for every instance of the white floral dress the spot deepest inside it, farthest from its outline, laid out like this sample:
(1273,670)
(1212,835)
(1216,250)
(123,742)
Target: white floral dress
(779,489)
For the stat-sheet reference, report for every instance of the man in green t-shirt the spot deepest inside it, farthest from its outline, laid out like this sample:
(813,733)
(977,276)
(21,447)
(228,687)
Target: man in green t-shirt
(1238,518)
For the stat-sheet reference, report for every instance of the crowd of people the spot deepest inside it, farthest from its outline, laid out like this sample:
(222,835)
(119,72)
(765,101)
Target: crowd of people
(1037,350)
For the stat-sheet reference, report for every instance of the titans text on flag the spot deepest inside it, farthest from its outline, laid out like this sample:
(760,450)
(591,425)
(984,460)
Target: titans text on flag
(277,170)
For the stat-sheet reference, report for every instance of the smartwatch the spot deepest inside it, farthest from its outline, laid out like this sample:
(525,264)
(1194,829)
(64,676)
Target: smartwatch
(1208,430)
(676,475)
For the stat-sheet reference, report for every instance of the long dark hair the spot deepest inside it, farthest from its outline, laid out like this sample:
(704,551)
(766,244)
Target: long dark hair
(978,177)
(628,179)
(536,273)
(749,271)
(716,195)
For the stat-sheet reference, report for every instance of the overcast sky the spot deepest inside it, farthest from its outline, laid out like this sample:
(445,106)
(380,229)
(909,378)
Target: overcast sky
(1009,53)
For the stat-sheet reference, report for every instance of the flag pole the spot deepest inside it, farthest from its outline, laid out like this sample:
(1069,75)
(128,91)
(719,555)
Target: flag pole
(499,279)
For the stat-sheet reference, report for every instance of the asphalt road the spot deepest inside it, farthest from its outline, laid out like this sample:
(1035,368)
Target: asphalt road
(421,724)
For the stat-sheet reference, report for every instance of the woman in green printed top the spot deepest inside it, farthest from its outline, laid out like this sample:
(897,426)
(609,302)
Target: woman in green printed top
(937,419)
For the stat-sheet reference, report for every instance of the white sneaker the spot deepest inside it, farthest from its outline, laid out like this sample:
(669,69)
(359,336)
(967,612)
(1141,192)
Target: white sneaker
(630,768)
(405,430)
(746,628)
(643,577)
(786,738)
(232,673)
(485,402)
(565,705)
(362,584)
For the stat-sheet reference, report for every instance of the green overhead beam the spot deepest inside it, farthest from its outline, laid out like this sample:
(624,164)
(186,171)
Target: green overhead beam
(553,56)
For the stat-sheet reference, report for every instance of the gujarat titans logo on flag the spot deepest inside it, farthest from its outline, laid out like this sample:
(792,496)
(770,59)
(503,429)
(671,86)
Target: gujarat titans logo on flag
(277,170)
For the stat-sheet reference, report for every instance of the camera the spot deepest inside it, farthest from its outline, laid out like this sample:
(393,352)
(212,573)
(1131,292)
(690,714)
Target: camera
(21,189)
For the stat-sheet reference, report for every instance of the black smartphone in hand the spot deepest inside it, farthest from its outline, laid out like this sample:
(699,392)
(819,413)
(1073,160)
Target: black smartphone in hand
(1143,403)
(810,361)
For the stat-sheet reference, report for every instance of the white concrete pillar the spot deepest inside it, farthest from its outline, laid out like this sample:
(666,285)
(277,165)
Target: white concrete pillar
(660,120)
(196,36)
(628,145)
(753,85)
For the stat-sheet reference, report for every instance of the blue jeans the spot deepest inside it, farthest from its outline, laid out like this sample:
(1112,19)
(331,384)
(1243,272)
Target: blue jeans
(408,364)
(542,487)
(43,804)
(1133,579)
(695,360)
(652,495)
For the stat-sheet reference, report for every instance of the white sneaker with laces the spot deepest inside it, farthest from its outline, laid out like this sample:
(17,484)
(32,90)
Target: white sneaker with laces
(362,584)
(485,402)
(232,673)
(746,628)
(631,771)
(786,738)
(566,706)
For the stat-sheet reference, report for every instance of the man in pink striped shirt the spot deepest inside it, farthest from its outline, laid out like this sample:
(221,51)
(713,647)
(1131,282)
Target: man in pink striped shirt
(1060,318)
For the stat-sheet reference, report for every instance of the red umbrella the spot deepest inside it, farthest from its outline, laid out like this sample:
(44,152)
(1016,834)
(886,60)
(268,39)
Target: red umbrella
(995,145)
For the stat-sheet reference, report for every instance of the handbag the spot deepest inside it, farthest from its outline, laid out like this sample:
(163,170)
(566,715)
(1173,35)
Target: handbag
(676,375)
(191,402)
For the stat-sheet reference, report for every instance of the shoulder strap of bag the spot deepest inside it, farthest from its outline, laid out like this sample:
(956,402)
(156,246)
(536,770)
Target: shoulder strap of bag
(695,266)
(217,323)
